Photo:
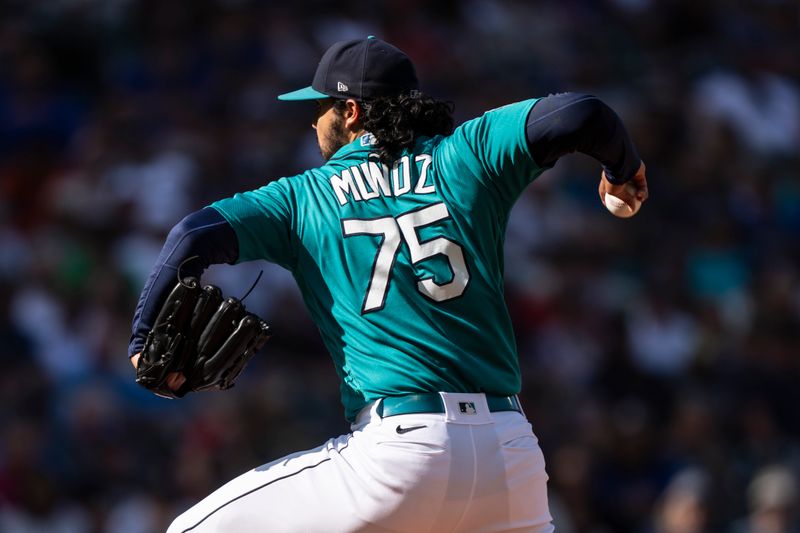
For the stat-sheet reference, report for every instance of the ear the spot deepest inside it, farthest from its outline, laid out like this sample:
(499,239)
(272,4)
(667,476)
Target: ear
(352,115)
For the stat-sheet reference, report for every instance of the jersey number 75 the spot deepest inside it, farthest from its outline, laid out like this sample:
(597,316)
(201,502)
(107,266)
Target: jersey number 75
(404,227)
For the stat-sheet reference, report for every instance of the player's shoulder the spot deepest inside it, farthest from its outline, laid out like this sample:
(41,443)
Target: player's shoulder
(504,115)
(293,183)
(501,124)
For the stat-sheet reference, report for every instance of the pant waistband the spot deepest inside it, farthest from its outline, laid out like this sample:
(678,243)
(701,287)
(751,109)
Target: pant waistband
(431,402)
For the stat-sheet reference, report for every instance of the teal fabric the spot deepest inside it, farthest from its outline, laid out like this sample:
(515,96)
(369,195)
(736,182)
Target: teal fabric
(401,266)
(307,93)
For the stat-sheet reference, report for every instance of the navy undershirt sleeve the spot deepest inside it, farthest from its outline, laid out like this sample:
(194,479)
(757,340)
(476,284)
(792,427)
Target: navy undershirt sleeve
(205,234)
(572,122)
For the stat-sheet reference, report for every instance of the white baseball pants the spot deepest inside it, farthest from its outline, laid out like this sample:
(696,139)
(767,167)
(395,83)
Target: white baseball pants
(472,472)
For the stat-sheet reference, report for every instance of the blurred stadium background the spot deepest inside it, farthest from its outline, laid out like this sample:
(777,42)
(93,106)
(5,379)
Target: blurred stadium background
(661,354)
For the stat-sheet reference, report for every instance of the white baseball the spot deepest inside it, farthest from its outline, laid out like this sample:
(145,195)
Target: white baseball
(618,207)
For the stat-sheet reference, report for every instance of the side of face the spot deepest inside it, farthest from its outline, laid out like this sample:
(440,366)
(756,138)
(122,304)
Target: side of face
(334,127)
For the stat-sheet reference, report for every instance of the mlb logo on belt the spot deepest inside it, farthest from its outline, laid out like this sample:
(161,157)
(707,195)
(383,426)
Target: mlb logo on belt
(467,408)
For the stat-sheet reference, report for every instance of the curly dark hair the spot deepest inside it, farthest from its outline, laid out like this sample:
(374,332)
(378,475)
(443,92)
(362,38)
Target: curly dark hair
(397,121)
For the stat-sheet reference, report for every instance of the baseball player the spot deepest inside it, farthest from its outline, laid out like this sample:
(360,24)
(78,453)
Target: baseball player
(396,243)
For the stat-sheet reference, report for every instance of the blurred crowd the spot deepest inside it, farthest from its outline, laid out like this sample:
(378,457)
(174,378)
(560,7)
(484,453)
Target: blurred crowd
(660,354)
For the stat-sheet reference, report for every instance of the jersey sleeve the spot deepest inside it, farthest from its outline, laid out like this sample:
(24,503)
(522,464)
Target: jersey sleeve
(496,147)
(263,221)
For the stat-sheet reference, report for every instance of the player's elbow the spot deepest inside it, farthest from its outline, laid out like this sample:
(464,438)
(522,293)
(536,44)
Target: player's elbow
(587,121)
(564,123)
(188,225)
(584,111)
(205,234)
(185,239)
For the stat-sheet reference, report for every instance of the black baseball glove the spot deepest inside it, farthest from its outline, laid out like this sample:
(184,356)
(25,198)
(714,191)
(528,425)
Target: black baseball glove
(198,333)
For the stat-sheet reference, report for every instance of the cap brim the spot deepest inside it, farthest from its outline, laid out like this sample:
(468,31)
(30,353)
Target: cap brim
(303,94)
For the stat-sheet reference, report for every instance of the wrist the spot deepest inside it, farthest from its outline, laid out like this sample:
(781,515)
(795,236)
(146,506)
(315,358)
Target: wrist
(623,174)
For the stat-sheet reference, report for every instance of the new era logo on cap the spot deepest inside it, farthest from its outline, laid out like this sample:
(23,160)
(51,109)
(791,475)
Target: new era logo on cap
(341,87)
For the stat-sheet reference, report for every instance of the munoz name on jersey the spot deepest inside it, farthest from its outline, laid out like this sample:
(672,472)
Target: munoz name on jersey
(370,179)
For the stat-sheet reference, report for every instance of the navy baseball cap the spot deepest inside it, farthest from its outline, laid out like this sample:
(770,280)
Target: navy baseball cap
(359,69)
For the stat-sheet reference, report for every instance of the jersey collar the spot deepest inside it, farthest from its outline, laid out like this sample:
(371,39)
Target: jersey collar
(364,143)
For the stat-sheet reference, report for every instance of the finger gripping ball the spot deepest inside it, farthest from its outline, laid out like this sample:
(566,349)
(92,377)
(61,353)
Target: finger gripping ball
(617,205)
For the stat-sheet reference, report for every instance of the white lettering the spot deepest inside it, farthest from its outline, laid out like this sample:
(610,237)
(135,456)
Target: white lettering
(370,179)
(366,194)
(421,188)
(376,177)
(342,185)
(401,189)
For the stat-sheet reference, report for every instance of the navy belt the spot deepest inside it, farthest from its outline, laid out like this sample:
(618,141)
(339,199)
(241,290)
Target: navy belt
(431,402)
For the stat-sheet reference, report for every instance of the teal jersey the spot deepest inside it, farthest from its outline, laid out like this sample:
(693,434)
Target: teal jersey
(401,266)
